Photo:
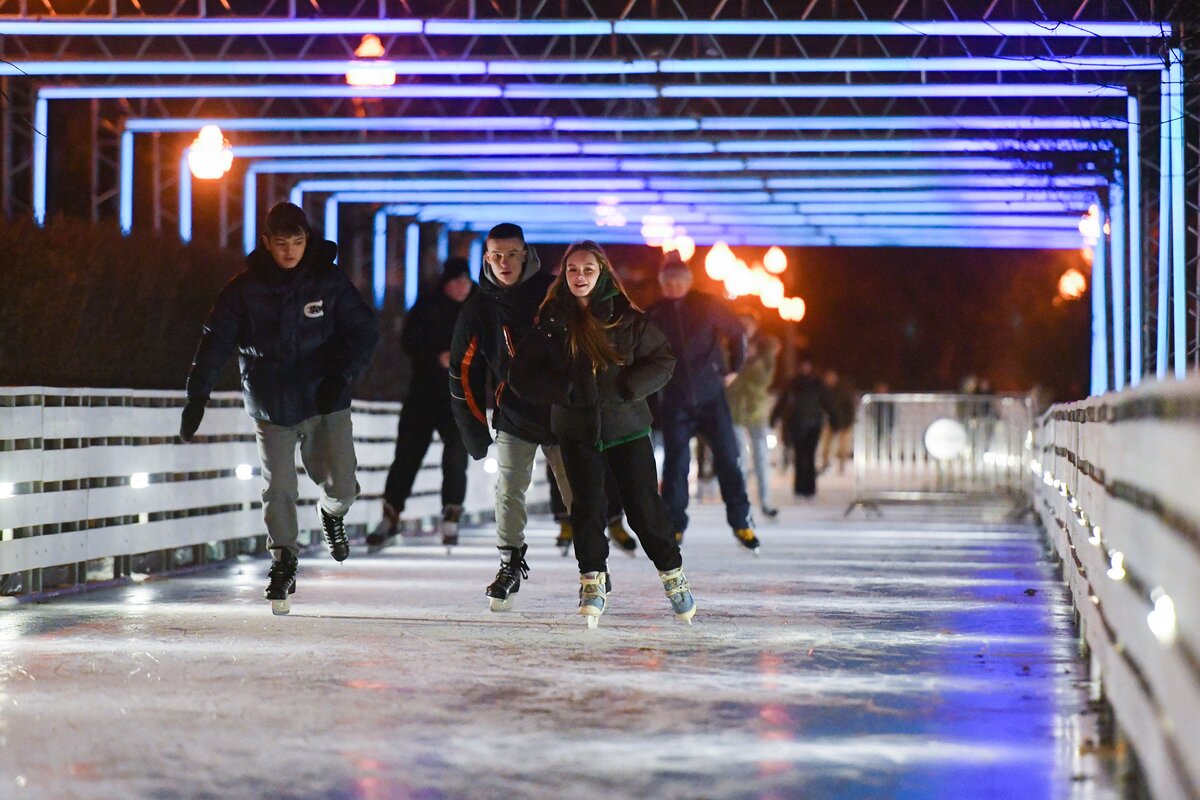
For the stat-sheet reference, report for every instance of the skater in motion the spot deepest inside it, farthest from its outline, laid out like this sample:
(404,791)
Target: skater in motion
(303,333)
(428,331)
(697,325)
(596,358)
(749,397)
(491,324)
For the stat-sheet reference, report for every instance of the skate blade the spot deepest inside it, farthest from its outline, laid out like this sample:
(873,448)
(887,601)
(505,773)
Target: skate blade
(281,607)
(686,617)
(566,549)
(501,605)
(593,622)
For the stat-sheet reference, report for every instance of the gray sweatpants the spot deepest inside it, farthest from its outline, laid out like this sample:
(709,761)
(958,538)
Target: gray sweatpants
(515,457)
(327,452)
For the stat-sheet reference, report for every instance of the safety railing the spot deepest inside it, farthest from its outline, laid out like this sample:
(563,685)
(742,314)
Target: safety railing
(941,447)
(1118,490)
(95,486)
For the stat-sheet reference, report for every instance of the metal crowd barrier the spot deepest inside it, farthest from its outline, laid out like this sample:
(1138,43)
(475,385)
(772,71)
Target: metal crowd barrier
(94,485)
(1117,480)
(941,448)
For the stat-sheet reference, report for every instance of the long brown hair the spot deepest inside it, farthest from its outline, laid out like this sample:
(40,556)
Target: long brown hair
(584,332)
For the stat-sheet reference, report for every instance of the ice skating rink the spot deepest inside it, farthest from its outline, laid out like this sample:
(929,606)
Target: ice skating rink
(913,656)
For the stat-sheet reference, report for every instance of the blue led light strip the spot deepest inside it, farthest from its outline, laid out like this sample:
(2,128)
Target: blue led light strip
(102,26)
(232,67)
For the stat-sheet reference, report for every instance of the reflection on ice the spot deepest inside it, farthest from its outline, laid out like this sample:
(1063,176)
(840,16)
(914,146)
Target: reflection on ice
(853,659)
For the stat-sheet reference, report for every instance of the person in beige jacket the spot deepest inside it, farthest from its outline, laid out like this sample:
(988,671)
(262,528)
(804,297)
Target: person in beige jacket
(750,402)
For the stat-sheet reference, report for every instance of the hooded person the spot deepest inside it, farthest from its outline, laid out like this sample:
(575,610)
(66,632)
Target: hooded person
(428,332)
(596,358)
(302,333)
(511,288)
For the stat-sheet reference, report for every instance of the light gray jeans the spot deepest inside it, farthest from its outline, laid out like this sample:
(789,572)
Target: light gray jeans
(327,452)
(515,457)
(754,439)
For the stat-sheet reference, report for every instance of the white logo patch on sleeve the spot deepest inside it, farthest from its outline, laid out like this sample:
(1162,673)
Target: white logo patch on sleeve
(315,309)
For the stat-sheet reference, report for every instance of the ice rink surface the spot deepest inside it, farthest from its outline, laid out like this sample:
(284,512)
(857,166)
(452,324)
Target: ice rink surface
(915,655)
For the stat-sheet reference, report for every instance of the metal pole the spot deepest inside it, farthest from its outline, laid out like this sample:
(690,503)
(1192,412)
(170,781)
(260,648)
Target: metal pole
(1134,204)
(1117,224)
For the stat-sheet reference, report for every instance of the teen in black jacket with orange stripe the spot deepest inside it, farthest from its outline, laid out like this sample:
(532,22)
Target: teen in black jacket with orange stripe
(511,287)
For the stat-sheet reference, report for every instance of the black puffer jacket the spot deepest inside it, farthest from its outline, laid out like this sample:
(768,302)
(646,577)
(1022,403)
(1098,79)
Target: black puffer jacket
(602,408)
(485,341)
(696,325)
(291,329)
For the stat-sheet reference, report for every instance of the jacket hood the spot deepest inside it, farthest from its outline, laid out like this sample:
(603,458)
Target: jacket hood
(605,302)
(532,265)
(319,254)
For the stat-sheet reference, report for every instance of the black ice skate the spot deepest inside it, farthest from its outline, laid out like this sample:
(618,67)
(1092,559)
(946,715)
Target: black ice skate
(281,582)
(508,580)
(335,535)
(618,535)
(451,515)
(747,539)
(385,531)
(565,534)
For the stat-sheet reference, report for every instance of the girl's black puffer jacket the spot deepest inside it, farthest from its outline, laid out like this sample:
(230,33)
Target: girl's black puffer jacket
(605,407)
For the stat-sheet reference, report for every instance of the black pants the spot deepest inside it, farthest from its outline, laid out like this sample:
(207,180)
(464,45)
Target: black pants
(632,465)
(419,418)
(713,421)
(804,443)
(559,509)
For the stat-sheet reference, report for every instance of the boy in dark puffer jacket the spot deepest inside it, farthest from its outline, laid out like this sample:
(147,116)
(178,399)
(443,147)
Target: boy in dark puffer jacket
(303,333)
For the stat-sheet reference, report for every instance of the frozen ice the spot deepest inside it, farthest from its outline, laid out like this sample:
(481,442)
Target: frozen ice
(896,657)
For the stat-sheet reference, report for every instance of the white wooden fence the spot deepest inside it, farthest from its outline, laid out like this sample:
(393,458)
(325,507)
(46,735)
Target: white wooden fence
(1118,485)
(92,478)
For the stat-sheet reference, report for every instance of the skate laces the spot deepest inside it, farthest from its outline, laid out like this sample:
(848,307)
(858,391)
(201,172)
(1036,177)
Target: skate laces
(335,529)
(675,583)
(509,569)
(280,572)
(592,588)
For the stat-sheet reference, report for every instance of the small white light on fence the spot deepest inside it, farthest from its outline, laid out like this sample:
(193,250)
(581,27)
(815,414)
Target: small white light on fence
(945,439)
(1073,503)
(1117,570)
(139,480)
(1095,600)
(7,490)
(989,458)
(1095,537)
(1047,478)
(491,466)
(143,518)
(772,441)
(244,472)
(1028,440)
(1162,619)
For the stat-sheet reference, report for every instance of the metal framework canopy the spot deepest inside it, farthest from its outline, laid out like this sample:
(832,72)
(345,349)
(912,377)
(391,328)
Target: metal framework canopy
(758,124)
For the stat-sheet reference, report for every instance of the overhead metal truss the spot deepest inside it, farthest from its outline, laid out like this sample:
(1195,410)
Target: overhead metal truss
(686,63)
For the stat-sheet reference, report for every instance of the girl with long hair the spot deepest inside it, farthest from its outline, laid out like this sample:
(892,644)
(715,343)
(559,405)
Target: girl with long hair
(595,358)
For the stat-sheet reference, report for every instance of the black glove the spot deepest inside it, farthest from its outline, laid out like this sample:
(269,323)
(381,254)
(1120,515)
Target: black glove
(193,412)
(329,391)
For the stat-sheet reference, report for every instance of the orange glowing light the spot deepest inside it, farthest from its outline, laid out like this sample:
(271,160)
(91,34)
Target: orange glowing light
(210,156)
(368,72)
(1072,285)
(775,261)
(686,246)
(719,261)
